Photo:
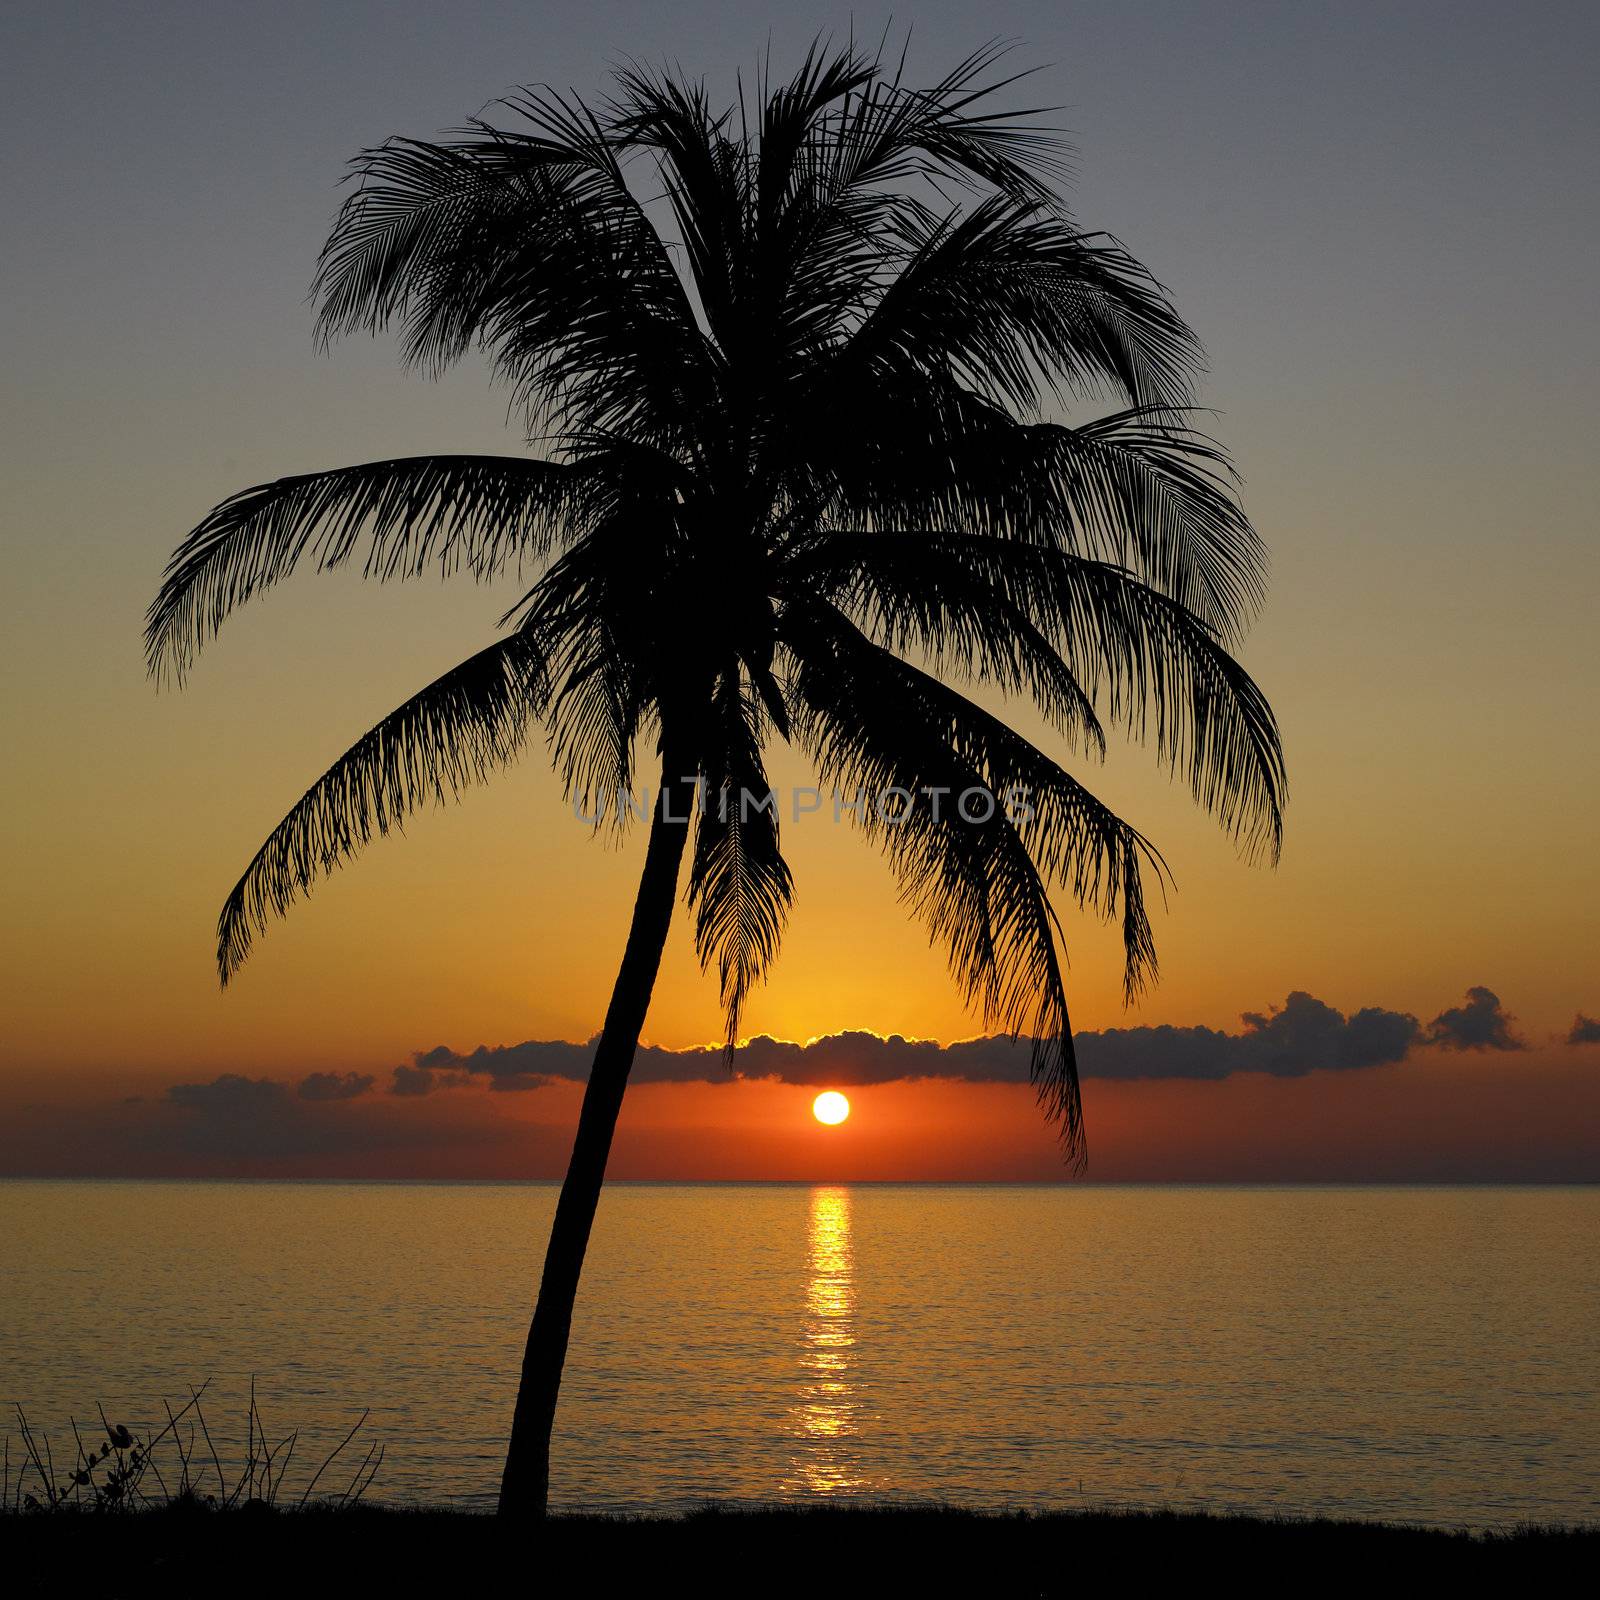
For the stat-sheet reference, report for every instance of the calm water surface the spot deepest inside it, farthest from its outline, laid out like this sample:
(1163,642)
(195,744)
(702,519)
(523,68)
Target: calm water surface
(1431,1354)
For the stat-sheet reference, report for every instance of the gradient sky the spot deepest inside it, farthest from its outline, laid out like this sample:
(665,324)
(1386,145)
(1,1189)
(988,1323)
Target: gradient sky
(1381,219)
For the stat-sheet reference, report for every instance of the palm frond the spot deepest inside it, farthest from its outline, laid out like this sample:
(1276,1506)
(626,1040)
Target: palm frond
(892,136)
(925,594)
(409,203)
(457,731)
(1006,609)
(706,178)
(601,618)
(528,242)
(978,878)
(1007,296)
(480,513)
(740,887)
(1143,489)
(1140,488)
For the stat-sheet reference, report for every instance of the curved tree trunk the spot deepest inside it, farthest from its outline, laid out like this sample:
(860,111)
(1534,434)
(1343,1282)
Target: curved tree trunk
(525,1484)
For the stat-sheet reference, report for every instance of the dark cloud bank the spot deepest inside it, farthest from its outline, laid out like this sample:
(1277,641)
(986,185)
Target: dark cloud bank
(324,1121)
(1304,1035)
(243,1116)
(246,1117)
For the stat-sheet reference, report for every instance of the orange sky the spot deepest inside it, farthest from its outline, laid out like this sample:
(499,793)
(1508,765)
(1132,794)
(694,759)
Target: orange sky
(1408,396)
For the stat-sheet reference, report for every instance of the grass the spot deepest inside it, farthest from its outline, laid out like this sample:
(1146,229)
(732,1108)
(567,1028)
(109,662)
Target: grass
(122,1469)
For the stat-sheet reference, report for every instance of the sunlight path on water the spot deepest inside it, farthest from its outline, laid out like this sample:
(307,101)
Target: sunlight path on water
(825,1418)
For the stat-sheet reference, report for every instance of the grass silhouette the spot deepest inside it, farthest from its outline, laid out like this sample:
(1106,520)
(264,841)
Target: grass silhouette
(176,1467)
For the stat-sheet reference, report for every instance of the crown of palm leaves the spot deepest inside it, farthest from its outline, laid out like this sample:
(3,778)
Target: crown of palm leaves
(790,397)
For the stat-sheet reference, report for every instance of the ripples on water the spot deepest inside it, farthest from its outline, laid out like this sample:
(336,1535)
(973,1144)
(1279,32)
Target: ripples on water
(1415,1353)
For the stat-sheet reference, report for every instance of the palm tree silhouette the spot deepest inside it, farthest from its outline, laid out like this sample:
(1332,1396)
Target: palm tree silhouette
(795,479)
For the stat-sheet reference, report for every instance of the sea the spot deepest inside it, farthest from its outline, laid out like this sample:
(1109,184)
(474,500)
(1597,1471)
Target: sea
(1420,1354)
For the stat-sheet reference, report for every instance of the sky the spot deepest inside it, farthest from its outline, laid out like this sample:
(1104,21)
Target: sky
(1381,221)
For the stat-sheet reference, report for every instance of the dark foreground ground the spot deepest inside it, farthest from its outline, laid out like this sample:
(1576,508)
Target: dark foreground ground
(824,1553)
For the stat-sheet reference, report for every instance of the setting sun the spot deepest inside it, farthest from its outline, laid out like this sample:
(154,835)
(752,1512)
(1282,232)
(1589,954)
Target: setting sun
(830,1107)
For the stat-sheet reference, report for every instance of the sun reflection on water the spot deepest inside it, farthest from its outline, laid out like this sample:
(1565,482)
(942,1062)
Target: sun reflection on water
(824,1421)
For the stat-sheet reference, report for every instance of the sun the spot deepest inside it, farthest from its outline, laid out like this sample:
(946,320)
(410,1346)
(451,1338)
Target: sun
(830,1107)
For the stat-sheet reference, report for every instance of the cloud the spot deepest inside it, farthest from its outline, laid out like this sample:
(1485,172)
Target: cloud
(1585,1030)
(1480,1024)
(326,1115)
(538,1063)
(247,1117)
(414,1081)
(230,1095)
(334,1085)
(852,1059)
(508,1067)
(1304,1035)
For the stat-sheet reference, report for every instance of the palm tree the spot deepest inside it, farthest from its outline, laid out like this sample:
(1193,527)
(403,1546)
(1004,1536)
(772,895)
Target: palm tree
(794,477)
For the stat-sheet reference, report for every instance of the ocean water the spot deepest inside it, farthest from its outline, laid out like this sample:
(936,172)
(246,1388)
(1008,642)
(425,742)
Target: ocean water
(1431,1354)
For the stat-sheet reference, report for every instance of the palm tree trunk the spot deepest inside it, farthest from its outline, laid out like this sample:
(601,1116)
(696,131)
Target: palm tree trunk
(525,1484)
